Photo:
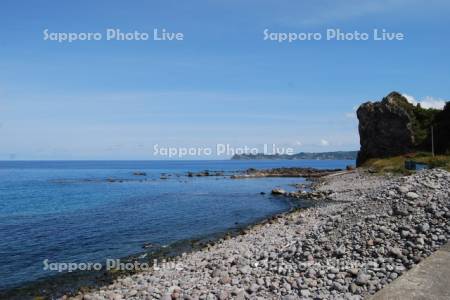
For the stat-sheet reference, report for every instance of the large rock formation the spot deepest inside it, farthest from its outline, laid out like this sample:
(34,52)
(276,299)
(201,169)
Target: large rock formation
(394,126)
(385,128)
(442,131)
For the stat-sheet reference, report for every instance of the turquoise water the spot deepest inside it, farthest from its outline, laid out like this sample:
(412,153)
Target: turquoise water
(86,211)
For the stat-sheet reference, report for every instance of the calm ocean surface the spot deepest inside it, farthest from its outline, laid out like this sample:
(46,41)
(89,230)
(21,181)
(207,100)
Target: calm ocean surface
(68,211)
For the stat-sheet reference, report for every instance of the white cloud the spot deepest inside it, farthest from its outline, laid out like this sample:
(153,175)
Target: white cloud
(350,115)
(410,99)
(298,143)
(427,102)
(324,142)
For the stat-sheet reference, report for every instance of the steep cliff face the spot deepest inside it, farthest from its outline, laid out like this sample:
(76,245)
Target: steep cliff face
(394,126)
(442,131)
(385,128)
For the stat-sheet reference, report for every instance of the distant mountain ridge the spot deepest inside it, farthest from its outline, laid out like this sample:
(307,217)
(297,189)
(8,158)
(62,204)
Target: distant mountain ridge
(347,155)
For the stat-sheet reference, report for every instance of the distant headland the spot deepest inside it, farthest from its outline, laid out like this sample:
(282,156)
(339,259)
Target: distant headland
(338,155)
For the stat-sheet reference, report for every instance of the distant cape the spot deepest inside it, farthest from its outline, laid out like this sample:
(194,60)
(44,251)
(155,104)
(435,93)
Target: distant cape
(347,155)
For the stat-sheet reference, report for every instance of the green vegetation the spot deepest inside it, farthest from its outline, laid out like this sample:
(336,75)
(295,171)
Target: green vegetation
(421,121)
(397,164)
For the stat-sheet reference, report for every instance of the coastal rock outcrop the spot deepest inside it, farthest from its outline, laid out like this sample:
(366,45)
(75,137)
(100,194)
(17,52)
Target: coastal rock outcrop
(285,172)
(385,128)
(394,126)
(442,130)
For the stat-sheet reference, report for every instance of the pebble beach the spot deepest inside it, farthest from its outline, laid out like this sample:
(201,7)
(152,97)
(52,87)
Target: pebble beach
(367,231)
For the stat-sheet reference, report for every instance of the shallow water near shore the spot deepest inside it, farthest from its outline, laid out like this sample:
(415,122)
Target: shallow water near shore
(85,211)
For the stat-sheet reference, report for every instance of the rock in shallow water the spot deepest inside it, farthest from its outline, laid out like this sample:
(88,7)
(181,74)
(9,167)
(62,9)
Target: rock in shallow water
(278,192)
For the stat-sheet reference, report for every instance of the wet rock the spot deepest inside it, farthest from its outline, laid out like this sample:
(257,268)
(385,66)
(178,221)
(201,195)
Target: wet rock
(278,192)
(139,173)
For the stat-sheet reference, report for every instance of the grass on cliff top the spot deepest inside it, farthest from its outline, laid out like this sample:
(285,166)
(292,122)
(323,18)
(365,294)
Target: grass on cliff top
(397,164)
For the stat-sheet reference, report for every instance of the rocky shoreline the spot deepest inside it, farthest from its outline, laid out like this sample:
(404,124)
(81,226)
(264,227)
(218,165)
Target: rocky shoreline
(286,172)
(376,228)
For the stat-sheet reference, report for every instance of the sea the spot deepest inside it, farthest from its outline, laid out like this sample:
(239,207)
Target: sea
(87,211)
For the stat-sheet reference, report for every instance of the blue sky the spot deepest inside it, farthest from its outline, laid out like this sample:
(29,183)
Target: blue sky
(222,84)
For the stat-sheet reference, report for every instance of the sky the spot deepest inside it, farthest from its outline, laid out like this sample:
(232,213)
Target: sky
(222,84)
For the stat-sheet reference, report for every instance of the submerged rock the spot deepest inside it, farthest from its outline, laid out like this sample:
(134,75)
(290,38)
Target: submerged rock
(139,173)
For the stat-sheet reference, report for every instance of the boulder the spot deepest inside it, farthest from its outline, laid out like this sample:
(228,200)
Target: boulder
(278,192)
